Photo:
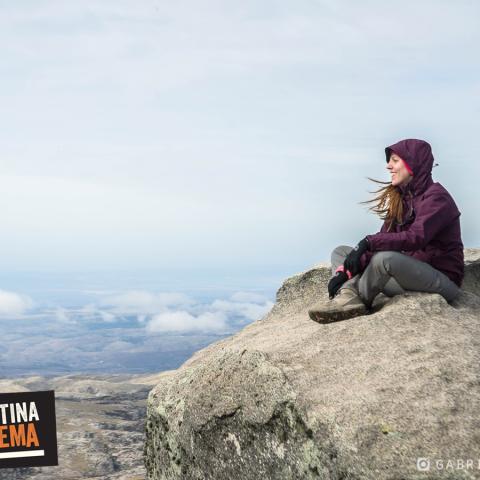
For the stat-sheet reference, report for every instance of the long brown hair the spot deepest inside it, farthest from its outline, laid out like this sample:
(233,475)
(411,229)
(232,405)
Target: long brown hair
(387,203)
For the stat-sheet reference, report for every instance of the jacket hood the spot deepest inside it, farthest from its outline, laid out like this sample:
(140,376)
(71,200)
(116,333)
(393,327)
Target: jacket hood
(418,155)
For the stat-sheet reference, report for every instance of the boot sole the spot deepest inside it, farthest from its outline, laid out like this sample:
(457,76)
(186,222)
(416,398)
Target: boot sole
(337,315)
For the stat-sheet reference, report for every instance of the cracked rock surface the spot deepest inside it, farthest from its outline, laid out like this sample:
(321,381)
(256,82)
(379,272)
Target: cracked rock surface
(288,398)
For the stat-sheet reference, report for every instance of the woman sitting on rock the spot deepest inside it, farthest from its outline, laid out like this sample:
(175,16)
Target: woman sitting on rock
(419,247)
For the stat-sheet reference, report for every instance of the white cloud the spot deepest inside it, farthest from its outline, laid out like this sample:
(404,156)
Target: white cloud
(63,315)
(251,311)
(89,312)
(107,316)
(182,321)
(252,306)
(214,317)
(13,304)
(140,302)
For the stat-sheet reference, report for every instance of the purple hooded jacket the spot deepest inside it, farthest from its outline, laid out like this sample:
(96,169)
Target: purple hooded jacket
(430,230)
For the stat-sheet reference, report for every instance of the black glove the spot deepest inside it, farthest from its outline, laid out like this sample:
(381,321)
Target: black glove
(336,282)
(352,262)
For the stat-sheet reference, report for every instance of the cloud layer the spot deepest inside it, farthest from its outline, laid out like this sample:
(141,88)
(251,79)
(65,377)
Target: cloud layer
(130,331)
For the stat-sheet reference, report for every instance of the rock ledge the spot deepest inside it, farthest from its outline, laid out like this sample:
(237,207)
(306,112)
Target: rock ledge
(287,398)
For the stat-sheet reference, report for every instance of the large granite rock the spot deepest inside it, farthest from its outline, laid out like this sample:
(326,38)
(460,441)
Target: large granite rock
(287,398)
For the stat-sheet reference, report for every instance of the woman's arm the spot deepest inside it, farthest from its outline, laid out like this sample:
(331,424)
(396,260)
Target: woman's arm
(434,213)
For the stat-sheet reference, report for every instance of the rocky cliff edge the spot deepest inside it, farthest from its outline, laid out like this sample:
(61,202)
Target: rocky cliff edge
(390,395)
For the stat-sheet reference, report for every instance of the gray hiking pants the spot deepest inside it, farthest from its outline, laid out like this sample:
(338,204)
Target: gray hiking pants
(393,273)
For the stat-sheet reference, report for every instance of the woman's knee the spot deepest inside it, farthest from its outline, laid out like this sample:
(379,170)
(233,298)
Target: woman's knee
(385,259)
(341,251)
(392,288)
(338,256)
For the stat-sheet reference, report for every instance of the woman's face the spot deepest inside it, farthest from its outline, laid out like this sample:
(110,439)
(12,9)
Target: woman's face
(398,171)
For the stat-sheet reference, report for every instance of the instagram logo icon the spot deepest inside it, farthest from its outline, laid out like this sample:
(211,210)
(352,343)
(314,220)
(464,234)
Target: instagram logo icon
(423,464)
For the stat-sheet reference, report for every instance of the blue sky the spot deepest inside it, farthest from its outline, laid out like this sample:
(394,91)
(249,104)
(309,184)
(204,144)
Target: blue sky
(155,134)
(219,137)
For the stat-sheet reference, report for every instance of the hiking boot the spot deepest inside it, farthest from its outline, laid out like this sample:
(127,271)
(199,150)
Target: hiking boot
(346,304)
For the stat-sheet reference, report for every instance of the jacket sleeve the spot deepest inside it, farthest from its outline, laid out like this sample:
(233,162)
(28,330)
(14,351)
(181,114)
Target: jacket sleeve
(434,213)
(367,256)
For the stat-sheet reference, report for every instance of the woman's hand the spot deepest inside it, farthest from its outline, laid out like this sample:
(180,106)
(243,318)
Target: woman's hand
(352,262)
(336,282)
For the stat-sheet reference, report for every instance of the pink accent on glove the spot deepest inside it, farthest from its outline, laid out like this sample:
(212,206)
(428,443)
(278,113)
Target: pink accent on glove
(341,269)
